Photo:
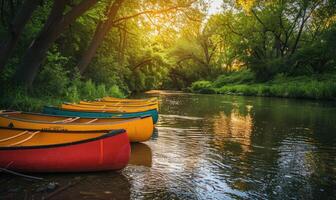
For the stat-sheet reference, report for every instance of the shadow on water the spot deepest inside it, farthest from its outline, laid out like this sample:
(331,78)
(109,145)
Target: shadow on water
(99,185)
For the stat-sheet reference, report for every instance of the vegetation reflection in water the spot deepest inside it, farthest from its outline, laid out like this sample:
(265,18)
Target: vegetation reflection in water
(223,147)
(220,147)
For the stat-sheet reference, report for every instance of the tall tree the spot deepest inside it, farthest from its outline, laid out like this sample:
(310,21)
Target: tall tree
(58,21)
(15,29)
(102,29)
(105,26)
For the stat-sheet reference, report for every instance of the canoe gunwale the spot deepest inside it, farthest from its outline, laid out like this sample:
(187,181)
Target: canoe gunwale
(68,116)
(77,123)
(104,108)
(126,99)
(106,104)
(86,114)
(106,111)
(106,135)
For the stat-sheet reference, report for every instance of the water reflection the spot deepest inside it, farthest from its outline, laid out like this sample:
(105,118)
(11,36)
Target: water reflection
(233,127)
(226,147)
(141,154)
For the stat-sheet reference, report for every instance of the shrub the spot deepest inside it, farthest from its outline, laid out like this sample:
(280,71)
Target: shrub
(73,94)
(238,77)
(53,79)
(204,87)
(115,92)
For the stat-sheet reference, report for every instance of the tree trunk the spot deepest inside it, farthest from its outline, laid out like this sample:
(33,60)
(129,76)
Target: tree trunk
(15,29)
(300,32)
(56,24)
(102,29)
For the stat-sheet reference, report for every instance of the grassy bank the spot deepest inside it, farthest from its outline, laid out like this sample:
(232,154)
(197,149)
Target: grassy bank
(318,86)
(18,99)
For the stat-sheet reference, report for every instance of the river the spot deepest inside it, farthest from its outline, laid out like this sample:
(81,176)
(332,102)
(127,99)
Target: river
(216,147)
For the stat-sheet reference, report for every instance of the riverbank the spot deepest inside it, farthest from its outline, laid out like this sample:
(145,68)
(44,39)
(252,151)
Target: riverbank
(318,86)
(19,99)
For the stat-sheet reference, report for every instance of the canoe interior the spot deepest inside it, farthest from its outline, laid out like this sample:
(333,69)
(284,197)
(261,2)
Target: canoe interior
(21,138)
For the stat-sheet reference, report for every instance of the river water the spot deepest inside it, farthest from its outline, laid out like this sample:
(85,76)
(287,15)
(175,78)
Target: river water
(216,147)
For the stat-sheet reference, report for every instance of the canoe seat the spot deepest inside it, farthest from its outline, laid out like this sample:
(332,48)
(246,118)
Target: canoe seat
(24,140)
(68,120)
(91,121)
(14,136)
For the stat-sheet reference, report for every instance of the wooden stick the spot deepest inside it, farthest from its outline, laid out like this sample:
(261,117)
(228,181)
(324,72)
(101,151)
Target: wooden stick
(70,184)
(14,136)
(19,174)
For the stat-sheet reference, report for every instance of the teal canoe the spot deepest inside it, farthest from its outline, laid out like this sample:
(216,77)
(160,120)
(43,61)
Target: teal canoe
(60,112)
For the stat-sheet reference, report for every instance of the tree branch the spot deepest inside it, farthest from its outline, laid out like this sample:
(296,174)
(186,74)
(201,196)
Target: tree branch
(151,12)
(144,62)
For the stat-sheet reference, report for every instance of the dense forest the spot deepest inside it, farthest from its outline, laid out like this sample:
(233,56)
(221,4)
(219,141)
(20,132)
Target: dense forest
(67,50)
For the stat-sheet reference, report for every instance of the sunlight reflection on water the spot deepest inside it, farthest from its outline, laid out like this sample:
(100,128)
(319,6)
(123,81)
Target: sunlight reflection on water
(219,147)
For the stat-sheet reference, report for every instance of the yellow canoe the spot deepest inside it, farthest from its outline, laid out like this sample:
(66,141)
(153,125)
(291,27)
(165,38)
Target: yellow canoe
(118,105)
(138,129)
(104,108)
(113,99)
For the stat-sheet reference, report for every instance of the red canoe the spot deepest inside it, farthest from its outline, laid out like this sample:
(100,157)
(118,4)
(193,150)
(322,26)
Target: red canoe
(63,152)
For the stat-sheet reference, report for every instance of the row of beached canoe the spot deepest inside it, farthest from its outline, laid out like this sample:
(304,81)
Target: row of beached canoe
(88,136)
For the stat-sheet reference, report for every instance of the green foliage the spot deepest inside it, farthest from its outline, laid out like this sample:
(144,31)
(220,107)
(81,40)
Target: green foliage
(53,79)
(204,87)
(238,77)
(309,87)
(317,57)
(249,43)
(90,91)
(19,99)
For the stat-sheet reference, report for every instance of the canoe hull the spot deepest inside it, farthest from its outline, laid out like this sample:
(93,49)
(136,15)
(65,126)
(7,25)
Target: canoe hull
(85,114)
(106,153)
(138,129)
(113,99)
(106,108)
(108,104)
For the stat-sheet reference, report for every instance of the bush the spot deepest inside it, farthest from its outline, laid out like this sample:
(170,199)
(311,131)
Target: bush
(238,77)
(115,92)
(20,99)
(90,91)
(266,69)
(204,87)
(53,78)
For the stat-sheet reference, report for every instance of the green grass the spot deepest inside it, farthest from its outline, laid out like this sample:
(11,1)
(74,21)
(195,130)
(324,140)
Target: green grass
(18,99)
(321,86)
